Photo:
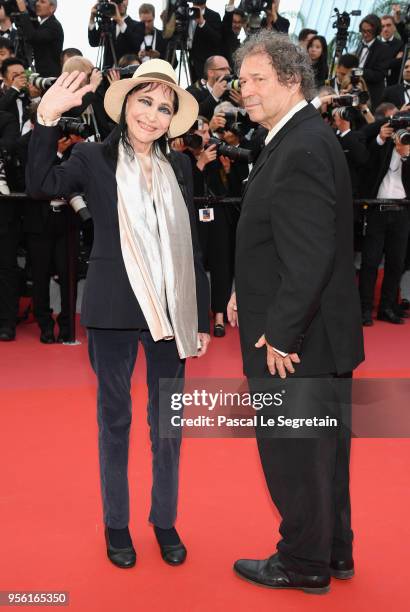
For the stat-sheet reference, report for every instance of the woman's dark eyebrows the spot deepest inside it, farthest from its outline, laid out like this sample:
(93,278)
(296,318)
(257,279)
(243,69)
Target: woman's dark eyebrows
(151,98)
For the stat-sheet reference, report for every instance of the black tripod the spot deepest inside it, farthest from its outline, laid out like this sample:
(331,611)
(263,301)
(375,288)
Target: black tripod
(179,43)
(106,42)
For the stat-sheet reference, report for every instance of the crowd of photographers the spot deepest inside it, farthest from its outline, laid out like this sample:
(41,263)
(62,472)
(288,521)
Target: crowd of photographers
(364,95)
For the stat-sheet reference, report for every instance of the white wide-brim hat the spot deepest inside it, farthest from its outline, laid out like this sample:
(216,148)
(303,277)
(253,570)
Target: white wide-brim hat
(154,71)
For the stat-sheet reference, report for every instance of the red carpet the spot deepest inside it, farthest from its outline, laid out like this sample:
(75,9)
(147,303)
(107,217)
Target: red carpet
(50,513)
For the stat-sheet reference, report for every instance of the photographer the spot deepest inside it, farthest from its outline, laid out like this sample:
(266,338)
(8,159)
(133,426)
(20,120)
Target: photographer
(305,36)
(274,21)
(126,33)
(153,46)
(387,176)
(210,90)
(353,145)
(46,36)
(399,94)
(232,23)
(344,66)
(216,225)
(45,227)
(6,50)
(15,90)
(374,57)
(204,38)
(9,235)
(395,46)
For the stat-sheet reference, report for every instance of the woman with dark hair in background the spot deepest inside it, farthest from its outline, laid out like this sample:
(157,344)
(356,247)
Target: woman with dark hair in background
(317,50)
(145,282)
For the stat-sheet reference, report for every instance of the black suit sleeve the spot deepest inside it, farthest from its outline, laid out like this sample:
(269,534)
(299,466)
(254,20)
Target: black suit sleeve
(210,33)
(94,36)
(9,131)
(304,229)
(35,35)
(358,152)
(45,180)
(8,101)
(202,284)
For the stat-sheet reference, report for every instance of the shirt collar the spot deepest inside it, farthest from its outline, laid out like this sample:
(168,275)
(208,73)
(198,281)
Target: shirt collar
(388,39)
(44,20)
(295,109)
(369,44)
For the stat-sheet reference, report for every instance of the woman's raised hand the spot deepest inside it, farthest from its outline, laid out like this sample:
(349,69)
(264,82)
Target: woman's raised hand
(66,93)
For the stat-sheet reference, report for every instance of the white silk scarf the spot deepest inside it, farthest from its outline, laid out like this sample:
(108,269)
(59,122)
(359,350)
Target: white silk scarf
(156,246)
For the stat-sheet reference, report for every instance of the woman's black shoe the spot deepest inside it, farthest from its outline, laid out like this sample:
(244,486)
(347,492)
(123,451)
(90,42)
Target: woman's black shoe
(172,549)
(173,554)
(219,330)
(121,557)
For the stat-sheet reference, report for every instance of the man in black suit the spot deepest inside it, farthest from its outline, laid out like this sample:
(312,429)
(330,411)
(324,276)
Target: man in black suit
(126,33)
(14,97)
(387,176)
(9,236)
(204,38)
(210,90)
(7,30)
(344,67)
(395,45)
(46,36)
(399,94)
(374,57)
(299,311)
(232,23)
(153,46)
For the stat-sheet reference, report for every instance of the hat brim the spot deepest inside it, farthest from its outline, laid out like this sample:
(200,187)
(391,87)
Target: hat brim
(188,107)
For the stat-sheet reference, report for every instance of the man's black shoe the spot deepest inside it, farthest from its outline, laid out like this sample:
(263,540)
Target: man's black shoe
(121,557)
(47,336)
(63,336)
(389,316)
(343,570)
(173,554)
(405,304)
(271,573)
(367,320)
(7,334)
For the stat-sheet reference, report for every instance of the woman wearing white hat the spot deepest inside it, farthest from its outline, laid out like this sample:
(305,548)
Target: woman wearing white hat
(145,281)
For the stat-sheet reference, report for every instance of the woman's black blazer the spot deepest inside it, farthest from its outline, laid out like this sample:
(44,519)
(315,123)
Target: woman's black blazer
(108,301)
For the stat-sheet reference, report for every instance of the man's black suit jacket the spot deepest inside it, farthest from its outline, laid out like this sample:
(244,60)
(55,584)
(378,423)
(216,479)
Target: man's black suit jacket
(395,95)
(207,103)
(356,154)
(109,301)
(47,42)
(295,276)
(375,70)
(395,46)
(230,41)
(129,42)
(8,103)
(377,167)
(207,41)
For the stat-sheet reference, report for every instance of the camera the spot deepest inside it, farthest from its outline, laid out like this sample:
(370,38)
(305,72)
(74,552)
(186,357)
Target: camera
(183,14)
(42,83)
(70,126)
(125,71)
(106,10)
(353,99)
(403,137)
(232,82)
(233,153)
(254,8)
(400,121)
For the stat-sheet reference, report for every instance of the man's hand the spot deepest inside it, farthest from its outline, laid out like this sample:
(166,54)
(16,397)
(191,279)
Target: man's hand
(400,55)
(276,363)
(219,87)
(119,20)
(20,81)
(113,75)
(386,132)
(226,163)
(232,311)
(95,79)
(236,98)
(405,108)
(208,155)
(274,11)
(396,10)
(217,121)
(93,14)
(177,144)
(204,340)
(21,5)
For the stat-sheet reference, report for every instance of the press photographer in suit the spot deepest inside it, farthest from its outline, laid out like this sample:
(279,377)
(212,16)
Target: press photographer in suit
(204,38)
(46,37)
(399,94)
(127,34)
(299,311)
